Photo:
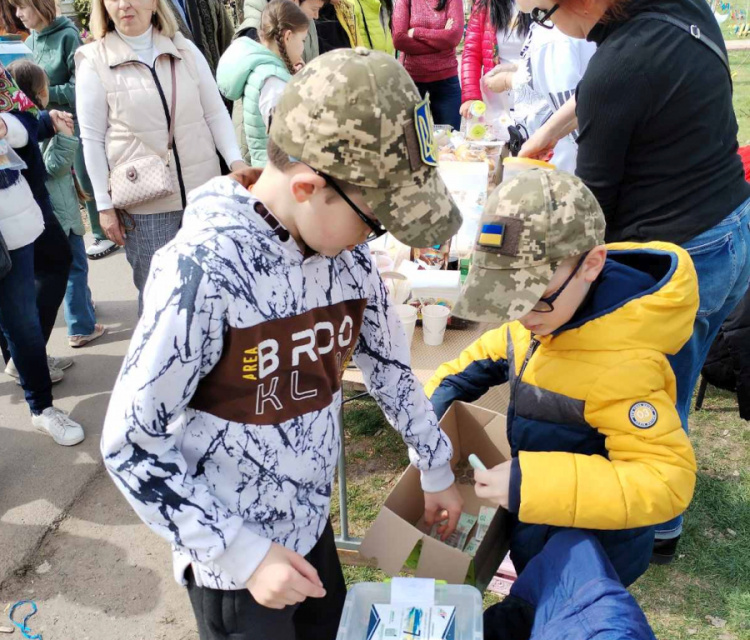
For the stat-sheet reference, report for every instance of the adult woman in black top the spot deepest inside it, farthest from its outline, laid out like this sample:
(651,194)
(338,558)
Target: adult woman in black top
(658,147)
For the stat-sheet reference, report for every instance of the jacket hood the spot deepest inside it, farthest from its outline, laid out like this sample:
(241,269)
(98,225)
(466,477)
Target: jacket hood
(57,26)
(223,206)
(242,57)
(646,298)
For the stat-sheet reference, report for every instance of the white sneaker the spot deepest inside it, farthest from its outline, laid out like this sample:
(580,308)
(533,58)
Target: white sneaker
(56,423)
(55,374)
(61,362)
(101,248)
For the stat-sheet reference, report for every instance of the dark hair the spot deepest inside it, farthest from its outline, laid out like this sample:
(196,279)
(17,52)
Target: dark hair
(30,78)
(9,21)
(278,17)
(501,16)
(277,156)
(441,5)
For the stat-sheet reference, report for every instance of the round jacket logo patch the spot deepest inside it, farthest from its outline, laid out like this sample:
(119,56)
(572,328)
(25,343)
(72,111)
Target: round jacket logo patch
(643,415)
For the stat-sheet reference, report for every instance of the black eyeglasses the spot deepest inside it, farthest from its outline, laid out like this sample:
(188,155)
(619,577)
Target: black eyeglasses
(545,305)
(376,229)
(542,16)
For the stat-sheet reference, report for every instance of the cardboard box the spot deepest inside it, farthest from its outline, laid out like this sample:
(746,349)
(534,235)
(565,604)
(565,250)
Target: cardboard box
(399,525)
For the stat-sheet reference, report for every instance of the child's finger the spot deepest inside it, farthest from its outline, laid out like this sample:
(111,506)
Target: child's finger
(452,523)
(308,572)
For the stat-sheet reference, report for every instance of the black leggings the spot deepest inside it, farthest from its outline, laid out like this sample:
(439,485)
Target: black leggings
(234,615)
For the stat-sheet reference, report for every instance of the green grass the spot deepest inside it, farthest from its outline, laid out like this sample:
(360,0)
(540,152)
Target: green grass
(711,576)
(740,63)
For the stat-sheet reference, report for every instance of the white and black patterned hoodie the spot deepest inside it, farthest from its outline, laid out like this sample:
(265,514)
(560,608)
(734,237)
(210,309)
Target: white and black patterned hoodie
(222,431)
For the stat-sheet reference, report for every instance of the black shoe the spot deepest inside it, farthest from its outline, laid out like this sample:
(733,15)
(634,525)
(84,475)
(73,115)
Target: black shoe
(664,550)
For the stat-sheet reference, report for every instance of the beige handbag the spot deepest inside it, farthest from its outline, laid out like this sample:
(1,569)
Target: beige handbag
(146,178)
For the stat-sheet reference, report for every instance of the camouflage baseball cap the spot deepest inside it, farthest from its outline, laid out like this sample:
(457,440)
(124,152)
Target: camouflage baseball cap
(357,116)
(528,227)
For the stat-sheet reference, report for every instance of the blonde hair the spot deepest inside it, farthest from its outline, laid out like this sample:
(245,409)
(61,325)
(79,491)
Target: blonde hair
(101,23)
(45,8)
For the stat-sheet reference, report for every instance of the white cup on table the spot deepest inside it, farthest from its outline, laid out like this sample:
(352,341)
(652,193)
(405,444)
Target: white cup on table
(408,316)
(434,322)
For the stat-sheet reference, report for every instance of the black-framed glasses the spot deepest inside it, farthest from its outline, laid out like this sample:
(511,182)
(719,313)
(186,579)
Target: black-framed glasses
(546,305)
(542,16)
(376,229)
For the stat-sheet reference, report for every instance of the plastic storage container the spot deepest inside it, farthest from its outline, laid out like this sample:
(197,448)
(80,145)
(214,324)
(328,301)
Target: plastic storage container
(514,166)
(356,614)
(12,47)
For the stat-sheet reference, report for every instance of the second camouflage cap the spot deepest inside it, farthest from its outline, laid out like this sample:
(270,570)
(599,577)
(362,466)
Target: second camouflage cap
(528,227)
(357,116)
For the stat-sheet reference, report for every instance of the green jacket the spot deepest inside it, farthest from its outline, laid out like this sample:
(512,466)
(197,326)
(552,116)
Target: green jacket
(374,26)
(54,48)
(242,71)
(211,28)
(58,155)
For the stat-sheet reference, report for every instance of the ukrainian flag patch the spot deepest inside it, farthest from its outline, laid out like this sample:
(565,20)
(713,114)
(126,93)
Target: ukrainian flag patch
(491,235)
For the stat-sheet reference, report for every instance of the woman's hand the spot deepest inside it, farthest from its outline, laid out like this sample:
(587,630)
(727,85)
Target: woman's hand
(540,145)
(449,24)
(465,108)
(63,122)
(410,33)
(111,226)
(499,82)
(239,165)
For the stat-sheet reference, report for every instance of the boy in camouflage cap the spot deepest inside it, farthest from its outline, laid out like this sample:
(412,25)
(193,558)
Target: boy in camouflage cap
(223,429)
(595,437)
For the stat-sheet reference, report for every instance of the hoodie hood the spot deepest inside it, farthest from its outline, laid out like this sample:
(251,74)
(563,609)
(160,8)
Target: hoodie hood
(242,57)
(649,302)
(58,25)
(237,215)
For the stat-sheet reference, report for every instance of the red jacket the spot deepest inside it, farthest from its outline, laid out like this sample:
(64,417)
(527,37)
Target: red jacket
(430,55)
(480,52)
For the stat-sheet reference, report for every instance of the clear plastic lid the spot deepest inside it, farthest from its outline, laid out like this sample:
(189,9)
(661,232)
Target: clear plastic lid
(361,597)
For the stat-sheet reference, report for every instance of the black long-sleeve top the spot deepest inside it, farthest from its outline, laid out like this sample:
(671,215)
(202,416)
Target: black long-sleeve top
(658,134)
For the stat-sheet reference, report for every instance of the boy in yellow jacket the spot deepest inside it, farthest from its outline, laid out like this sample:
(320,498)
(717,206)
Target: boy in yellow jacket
(596,439)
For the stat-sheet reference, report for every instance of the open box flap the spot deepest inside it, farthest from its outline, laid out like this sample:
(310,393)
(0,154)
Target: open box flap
(390,540)
(442,562)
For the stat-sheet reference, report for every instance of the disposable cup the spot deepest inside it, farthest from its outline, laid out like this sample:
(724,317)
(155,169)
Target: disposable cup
(408,316)
(434,321)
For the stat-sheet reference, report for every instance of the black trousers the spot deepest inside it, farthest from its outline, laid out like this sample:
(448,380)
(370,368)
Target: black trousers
(52,260)
(235,615)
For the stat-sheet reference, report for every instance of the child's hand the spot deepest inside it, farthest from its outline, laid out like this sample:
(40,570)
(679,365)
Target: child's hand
(494,484)
(63,122)
(443,505)
(299,66)
(3,129)
(284,578)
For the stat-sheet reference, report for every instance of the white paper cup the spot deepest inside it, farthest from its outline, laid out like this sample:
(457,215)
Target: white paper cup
(434,321)
(408,316)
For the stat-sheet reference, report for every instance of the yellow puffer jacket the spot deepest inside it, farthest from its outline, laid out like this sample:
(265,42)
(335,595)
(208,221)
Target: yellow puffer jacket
(592,419)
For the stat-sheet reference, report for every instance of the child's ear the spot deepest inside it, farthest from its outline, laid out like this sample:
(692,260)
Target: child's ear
(305,185)
(287,36)
(594,263)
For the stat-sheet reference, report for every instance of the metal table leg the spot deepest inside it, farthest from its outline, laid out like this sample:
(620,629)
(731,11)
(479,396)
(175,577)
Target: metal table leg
(344,541)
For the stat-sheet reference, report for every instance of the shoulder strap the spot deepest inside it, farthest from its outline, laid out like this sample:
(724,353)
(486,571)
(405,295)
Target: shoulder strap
(173,110)
(693,30)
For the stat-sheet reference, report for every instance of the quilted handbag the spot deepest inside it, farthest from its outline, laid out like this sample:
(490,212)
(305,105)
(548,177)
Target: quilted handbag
(146,178)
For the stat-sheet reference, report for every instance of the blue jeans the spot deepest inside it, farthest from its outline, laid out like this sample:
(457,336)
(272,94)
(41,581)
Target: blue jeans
(722,259)
(22,329)
(79,309)
(445,100)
